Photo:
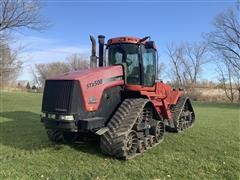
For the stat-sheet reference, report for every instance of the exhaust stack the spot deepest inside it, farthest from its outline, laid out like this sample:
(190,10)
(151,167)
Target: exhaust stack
(101,40)
(93,57)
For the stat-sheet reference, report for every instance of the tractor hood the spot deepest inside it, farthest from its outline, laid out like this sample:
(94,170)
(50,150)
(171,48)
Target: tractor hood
(92,82)
(105,72)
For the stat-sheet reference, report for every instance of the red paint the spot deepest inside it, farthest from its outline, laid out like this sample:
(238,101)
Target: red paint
(90,76)
(161,95)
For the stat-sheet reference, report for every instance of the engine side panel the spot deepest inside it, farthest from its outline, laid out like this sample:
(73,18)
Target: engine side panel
(93,87)
(162,96)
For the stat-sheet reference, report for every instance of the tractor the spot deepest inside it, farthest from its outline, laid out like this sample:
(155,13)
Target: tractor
(119,98)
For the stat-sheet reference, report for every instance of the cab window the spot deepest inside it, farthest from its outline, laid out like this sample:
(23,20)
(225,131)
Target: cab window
(126,54)
(149,62)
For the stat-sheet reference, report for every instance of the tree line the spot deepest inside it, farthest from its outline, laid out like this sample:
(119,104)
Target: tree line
(14,17)
(73,62)
(222,46)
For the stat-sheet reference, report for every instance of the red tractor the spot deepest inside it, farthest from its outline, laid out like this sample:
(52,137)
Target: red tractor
(118,98)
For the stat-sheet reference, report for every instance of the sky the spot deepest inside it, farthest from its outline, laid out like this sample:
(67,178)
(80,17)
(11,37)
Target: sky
(71,23)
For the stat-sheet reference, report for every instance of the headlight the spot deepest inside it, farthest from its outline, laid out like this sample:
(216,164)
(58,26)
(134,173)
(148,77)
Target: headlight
(52,116)
(66,117)
(43,115)
(69,118)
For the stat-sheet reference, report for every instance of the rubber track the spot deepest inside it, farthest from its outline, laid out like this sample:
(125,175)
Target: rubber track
(178,110)
(55,135)
(113,141)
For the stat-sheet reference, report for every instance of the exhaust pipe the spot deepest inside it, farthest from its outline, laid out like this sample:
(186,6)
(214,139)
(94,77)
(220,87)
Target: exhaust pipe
(101,40)
(93,57)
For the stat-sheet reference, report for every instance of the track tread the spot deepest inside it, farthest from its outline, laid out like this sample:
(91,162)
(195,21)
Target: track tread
(112,142)
(177,112)
(55,135)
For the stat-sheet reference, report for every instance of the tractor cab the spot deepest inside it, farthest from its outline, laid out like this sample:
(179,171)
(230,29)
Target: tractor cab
(138,56)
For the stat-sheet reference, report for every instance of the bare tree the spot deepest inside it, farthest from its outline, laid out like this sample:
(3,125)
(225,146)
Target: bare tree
(225,39)
(73,62)
(160,70)
(226,79)
(36,77)
(77,62)
(176,55)
(224,42)
(187,60)
(44,71)
(14,16)
(9,64)
(195,57)
(17,14)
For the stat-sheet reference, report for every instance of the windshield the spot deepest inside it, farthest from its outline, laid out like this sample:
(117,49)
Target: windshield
(126,54)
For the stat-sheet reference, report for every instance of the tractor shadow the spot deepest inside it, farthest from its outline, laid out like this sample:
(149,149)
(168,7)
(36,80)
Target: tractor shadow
(90,145)
(23,130)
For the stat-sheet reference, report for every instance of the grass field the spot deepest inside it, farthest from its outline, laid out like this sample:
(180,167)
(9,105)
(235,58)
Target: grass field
(209,150)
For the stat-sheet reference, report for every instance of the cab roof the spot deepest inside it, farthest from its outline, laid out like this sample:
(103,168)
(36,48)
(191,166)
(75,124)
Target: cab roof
(125,39)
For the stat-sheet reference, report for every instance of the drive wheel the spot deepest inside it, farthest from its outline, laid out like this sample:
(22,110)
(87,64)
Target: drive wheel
(158,131)
(131,144)
(55,135)
(130,128)
(141,146)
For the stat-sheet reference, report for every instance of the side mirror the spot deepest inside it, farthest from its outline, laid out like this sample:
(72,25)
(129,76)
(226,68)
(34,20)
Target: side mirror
(150,45)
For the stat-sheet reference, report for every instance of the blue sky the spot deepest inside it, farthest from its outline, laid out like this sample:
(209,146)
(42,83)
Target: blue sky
(73,21)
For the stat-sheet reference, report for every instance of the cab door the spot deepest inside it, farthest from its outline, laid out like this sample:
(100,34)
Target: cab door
(148,66)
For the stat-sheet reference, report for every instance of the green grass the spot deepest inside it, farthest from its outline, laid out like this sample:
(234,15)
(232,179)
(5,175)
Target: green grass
(209,150)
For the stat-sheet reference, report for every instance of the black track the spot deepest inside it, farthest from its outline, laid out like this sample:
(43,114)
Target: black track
(55,135)
(123,124)
(183,115)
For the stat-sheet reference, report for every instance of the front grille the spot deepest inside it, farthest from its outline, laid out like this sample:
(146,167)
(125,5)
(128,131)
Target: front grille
(57,96)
